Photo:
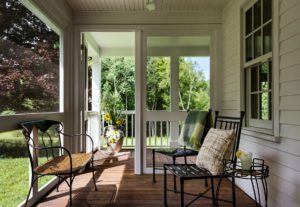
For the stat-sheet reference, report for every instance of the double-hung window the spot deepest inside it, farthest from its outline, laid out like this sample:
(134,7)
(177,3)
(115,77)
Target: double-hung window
(257,39)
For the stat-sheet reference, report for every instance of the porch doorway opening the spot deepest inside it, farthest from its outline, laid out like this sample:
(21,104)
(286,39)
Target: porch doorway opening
(177,79)
(111,85)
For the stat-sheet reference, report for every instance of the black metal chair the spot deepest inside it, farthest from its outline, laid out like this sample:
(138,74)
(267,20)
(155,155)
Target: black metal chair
(189,149)
(43,137)
(186,172)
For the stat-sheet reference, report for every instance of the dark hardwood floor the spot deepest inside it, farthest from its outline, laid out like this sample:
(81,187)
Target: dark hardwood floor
(119,186)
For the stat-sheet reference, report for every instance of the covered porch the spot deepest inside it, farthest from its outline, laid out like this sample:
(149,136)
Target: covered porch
(119,186)
(252,48)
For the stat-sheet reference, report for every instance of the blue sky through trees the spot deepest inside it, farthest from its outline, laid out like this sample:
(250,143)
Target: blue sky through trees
(203,63)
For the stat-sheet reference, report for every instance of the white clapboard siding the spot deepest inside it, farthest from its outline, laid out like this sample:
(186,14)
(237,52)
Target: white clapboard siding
(286,5)
(229,105)
(290,16)
(290,30)
(230,95)
(290,88)
(286,144)
(290,74)
(290,59)
(290,103)
(290,117)
(289,45)
(284,157)
(230,88)
(290,131)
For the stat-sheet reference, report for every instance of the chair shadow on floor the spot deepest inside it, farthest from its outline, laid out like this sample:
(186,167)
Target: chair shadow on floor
(83,193)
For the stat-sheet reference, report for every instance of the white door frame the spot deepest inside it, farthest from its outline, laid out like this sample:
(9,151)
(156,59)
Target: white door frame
(213,30)
(175,115)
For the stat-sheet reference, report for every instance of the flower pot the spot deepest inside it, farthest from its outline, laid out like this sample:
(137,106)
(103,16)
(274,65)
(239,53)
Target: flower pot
(114,138)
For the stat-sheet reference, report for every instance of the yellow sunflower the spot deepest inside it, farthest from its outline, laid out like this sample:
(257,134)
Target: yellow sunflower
(123,121)
(107,117)
(112,140)
(118,122)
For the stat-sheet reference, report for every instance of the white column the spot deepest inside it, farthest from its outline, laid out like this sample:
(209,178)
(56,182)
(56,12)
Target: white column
(96,93)
(174,87)
(96,84)
(139,123)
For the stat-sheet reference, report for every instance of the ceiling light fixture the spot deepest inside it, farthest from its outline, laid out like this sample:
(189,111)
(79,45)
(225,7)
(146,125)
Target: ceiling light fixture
(150,5)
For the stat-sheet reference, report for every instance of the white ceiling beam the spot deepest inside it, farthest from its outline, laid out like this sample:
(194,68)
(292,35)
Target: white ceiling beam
(207,17)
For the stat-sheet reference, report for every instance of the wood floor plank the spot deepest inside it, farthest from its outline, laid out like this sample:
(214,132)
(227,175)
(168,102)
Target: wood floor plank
(118,186)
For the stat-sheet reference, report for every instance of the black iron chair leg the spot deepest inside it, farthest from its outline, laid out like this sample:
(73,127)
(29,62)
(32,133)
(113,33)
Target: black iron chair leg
(233,191)
(182,192)
(153,166)
(265,185)
(214,203)
(165,187)
(58,184)
(70,193)
(93,171)
(174,177)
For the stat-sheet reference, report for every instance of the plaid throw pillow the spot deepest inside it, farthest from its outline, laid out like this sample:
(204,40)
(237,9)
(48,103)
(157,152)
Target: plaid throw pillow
(217,146)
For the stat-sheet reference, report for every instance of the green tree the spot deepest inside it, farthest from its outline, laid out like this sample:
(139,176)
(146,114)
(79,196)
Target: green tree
(158,83)
(117,82)
(29,61)
(194,89)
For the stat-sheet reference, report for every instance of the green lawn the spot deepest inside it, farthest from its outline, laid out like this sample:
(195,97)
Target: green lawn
(14,181)
(14,166)
(14,169)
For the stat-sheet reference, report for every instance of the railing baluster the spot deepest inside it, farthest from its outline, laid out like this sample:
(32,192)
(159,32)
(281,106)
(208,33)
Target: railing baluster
(168,130)
(131,133)
(155,128)
(126,129)
(161,133)
(157,132)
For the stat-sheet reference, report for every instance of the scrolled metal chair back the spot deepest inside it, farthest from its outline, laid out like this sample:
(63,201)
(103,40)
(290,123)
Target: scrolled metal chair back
(231,123)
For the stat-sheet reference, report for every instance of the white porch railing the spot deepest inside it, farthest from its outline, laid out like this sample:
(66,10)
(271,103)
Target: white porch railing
(158,132)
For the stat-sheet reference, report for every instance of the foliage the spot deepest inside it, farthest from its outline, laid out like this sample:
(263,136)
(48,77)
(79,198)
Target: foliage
(14,188)
(194,89)
(29,61)
(14,168)
(158,83)
(117,84)
(113,135)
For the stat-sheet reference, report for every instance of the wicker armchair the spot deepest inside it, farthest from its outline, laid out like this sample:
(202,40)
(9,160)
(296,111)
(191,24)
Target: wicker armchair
(43,137)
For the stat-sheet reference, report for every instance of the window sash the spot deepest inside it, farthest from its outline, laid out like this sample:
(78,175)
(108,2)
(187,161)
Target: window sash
(255,60)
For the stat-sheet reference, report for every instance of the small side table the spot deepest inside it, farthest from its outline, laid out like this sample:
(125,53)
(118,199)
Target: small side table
(259,171)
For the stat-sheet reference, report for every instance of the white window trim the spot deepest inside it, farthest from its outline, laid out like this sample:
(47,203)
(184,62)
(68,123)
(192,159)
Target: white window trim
(256,123)
(12,122)
(266,134)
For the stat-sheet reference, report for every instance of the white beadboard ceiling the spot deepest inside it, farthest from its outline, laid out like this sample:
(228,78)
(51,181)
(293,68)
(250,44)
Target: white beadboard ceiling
(138,5)
(127,40)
